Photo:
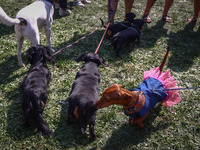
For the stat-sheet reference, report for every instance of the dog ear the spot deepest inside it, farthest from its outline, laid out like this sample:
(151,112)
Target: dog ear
(103,62)
(80,58)
(116,85)
(120,85)
(127,96)
(30,53)
(130,17)
(47,55)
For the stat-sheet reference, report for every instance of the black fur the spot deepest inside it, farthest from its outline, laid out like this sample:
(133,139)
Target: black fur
(115,28)
(127,36)
(85,91)
(34,87)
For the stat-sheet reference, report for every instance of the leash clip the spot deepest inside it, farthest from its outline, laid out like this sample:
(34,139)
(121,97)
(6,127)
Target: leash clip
(152,90)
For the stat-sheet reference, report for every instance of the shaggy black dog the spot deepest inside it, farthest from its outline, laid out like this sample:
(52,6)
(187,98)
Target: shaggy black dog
(34,87)
(115,28)
(127,36)
(84,92)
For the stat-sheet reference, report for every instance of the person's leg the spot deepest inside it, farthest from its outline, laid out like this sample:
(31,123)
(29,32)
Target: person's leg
(112,7)
(63,8)
(168,4)
(128,6)
(196,11)
(63,4)
(149,5)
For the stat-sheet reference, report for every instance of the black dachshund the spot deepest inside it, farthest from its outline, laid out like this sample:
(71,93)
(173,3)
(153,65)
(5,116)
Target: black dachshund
(34,87)
(117,27)
(127,36)
(84,92)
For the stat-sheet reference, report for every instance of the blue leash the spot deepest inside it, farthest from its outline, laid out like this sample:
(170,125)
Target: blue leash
(155,90)
(129,28)
(175,89)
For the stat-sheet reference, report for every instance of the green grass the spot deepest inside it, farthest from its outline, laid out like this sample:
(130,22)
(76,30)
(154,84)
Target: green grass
(177,127)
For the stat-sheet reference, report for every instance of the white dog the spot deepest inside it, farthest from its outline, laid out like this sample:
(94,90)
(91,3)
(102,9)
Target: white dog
(28,22)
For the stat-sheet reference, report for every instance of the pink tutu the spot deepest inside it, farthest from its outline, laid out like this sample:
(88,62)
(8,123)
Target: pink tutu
(168,82)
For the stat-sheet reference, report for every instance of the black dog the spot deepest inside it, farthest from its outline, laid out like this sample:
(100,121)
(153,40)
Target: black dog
(115,28)
(34,87)
(84,92)
(127,36)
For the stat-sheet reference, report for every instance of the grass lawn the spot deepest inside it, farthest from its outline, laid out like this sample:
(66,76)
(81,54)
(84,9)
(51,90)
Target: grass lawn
(177,127)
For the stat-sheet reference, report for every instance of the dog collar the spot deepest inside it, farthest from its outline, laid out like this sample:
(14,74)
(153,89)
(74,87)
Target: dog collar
(134,108)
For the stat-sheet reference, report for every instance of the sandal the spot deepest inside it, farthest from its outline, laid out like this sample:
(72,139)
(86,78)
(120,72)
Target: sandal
(146,18)
(166,18)
(193,19)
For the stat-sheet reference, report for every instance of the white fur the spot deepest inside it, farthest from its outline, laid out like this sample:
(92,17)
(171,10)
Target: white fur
(39,14)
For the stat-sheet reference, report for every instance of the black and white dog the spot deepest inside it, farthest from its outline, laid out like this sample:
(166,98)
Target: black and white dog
(84,92)
(28,21)
(127,36)
(34,87)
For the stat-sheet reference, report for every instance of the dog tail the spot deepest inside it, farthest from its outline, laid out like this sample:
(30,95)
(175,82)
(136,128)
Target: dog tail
(164,60)
(5,19)
(102,23)
(40,123)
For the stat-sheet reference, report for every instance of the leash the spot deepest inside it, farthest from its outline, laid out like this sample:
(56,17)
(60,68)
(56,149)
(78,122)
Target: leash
(109,13)
(159,90)
(76,41)
(102,38)
(188,88)
(109,21)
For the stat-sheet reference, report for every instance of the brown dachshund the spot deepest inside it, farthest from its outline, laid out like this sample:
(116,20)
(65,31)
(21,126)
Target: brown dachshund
(115,94)
(138,102)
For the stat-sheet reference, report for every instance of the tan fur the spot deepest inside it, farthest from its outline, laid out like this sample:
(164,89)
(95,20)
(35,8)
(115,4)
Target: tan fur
(42,104)
(76,112)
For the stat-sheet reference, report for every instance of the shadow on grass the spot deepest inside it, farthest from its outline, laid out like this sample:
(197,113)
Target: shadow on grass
(5,30)
(150,35)
(127,136)
(14,118)
(7,68)
(186,43)
(69,135)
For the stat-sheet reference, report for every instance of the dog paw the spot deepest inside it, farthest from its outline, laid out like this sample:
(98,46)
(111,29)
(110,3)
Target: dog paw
(92,136)
(52,50)
(82,131)
(136,122)
(69,120)
(22,65)
(164,104)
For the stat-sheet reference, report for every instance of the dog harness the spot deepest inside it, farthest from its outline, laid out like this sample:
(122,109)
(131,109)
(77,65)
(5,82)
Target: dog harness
(154,79)
(152,98)
(138,33)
